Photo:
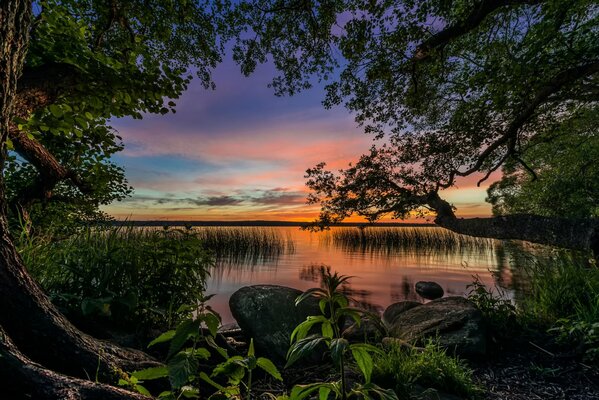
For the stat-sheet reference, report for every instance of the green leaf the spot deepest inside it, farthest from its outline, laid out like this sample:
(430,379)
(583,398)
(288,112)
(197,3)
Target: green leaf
(337,348)
(317,292)
(323,393)
(207,379)
(300,392)
(303,348)
(201,353)
(364,361)
(151,373)
(327,329)
(210,342)
(301,331)
(165,337)
(186,330)
(190,392)
(251,351)
(269,367)
(212,321)
(142,390)
(55,110)
(181,368)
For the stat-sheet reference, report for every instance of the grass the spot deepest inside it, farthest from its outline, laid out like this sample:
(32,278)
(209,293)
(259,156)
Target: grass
(127,276)
(389,240)
(404,368)
(132,275)
(244,245)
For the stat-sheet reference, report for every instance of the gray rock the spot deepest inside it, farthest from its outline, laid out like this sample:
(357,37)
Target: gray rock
(455,321)
(395,309)
(267,313)
(429,290)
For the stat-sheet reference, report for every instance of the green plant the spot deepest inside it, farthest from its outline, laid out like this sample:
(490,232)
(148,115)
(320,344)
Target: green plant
(497,309)
(128,276)
(185,353)
(236,368)
(560,287)
(335,308)
(403,367)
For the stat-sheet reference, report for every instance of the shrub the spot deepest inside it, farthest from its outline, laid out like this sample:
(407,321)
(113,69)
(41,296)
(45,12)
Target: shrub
(129,275)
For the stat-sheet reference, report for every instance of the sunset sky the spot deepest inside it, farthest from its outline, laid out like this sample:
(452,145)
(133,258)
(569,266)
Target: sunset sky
(239,153)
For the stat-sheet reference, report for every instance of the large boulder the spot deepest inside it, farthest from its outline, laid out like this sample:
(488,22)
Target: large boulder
(455,321)
(267,313)
(394,310)
(429,290)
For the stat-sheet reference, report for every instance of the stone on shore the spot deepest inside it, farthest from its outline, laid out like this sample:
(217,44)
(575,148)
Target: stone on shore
(267,313)
(429,290)
(454,321)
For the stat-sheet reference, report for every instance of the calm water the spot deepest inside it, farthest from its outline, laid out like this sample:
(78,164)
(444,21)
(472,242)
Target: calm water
(381,276)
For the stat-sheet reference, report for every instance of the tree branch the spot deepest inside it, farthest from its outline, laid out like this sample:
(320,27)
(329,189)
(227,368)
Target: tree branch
(471,22)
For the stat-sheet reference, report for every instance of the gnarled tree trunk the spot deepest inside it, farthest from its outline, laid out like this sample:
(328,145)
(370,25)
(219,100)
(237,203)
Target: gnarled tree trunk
(28,317)
(22,378)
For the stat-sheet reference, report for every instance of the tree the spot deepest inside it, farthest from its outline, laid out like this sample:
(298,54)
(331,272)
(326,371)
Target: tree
(566,179)
(65,68)
(456,88)
(69,204)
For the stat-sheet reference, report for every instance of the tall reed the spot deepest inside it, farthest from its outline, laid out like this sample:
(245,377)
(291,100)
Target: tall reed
(237,245)
(393,239)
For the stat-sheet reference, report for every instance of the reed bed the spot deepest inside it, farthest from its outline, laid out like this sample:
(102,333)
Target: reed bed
(234,245)
(394,239)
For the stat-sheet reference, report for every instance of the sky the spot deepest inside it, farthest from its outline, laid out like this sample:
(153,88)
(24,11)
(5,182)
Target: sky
(240,153)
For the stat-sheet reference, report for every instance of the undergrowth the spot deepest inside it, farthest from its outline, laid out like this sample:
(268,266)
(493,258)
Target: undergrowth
(430,367)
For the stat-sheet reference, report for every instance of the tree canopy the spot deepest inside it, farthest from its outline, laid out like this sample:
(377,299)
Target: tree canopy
(456,88)
(89,61)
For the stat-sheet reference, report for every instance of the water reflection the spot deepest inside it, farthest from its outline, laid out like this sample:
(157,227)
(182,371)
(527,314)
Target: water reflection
(385,267)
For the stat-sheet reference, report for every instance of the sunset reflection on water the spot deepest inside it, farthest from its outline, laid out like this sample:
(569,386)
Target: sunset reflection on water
(381,276)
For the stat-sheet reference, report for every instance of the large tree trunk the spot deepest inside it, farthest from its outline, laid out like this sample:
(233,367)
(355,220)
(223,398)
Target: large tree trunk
(21,378)
(575,234)
(28,316)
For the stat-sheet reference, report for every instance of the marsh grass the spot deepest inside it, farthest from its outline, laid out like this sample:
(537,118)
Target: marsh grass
(245,245)
(407,239)
(404,369)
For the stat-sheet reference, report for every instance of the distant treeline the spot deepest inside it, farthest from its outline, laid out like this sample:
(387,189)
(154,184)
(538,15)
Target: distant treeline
(258,223)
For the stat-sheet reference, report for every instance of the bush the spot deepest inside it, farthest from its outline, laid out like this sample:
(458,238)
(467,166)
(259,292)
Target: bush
(128,275)
(404,368)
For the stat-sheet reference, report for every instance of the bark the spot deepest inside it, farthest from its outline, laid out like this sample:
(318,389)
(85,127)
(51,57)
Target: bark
(576,234)
(22,378)
(28,316)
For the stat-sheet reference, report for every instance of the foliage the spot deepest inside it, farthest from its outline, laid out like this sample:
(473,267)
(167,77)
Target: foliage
(126,274)
(498,311)
(559,288)
(236,368)
(335,308)
(69,207)
(458,87)
(184,356)
(404,367)
(566,182)
(89,61)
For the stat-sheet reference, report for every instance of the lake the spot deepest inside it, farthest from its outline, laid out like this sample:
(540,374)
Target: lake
(384,268)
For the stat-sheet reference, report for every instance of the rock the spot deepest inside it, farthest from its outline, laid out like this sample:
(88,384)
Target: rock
(455,321)
(395,309)
(429,290)
(267,313)
(370,329)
